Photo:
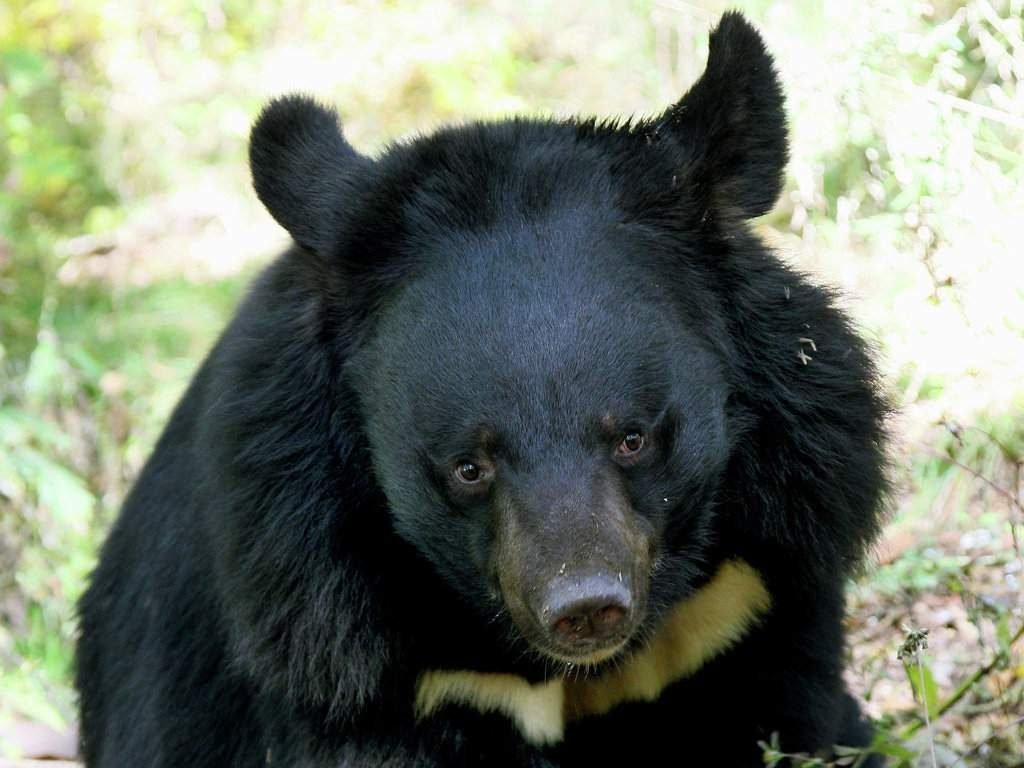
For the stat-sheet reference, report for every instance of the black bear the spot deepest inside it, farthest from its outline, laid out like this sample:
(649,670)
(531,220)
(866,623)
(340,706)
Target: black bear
(528,453)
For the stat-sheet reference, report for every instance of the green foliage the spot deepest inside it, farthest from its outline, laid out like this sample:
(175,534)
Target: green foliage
(917,571)
(50,183)
(67,430)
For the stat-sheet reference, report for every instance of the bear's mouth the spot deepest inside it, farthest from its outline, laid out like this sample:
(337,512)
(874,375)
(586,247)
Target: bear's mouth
(586,659)
(589,654)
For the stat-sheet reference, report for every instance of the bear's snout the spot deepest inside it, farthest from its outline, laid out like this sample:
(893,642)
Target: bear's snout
(573,564)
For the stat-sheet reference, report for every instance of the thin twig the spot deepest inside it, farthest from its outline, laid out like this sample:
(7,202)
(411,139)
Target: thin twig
(1008,453)
(971,470)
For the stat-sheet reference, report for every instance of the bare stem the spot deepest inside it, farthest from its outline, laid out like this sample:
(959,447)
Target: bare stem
(927,719)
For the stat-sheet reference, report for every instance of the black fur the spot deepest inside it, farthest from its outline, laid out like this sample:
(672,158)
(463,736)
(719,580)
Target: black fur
(292,556)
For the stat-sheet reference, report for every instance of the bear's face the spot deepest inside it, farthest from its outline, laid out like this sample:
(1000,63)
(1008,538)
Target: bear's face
(547,427)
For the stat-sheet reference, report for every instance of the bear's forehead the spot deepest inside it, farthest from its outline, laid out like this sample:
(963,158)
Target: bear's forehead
(541,294)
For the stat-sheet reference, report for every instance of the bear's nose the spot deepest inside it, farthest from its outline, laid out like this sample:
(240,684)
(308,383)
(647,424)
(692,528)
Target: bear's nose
(596,608)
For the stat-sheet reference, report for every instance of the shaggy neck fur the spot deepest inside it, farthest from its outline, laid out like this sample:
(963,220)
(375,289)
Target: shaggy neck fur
(696,630)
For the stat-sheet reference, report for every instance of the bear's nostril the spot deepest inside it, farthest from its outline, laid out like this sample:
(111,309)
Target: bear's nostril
(573,627)
(609,618)
(588,620)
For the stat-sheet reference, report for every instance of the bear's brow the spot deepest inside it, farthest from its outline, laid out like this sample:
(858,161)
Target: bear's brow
(482,438)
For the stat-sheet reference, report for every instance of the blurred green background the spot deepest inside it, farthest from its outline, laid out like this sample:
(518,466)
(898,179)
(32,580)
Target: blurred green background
(128,231)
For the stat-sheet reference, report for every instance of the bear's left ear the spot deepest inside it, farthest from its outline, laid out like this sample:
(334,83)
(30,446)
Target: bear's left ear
(303,169)
(732,123)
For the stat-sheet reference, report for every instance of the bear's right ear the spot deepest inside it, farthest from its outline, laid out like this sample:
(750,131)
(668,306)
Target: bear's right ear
(303,169)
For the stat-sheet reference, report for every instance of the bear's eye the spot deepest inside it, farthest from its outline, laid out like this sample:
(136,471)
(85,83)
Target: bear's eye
(468,472)
(631,444)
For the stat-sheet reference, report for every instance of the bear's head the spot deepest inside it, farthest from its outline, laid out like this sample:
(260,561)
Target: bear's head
(576,371)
